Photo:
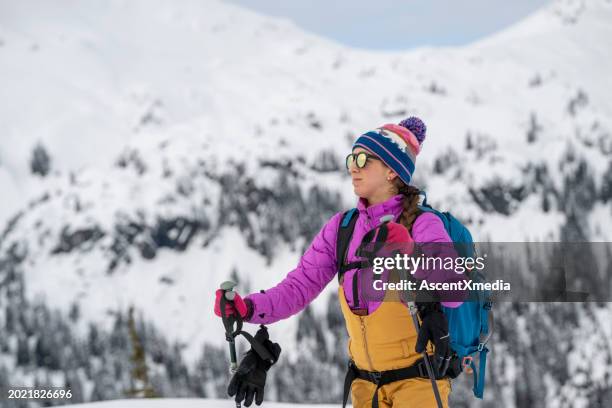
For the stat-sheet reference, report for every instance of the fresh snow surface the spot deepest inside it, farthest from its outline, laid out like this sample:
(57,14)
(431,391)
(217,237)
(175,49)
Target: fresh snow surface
(191,403)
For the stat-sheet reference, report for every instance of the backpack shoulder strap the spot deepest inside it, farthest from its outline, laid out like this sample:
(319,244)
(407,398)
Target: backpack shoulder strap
(345,232)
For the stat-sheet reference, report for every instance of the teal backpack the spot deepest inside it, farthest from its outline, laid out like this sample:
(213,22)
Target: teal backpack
(471,324)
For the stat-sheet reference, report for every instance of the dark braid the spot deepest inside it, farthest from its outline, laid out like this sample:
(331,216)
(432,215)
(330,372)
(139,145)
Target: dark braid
(410,203)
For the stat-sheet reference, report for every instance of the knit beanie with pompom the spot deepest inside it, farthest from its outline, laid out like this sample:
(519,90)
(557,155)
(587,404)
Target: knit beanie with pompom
(396,145)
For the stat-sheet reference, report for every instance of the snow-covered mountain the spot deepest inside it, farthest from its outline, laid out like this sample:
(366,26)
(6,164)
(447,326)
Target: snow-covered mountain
(151,149)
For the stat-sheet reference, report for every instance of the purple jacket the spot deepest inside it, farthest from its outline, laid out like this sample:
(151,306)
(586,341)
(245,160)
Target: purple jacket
(317,267)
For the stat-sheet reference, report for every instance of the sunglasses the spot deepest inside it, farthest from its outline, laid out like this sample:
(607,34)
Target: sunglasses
(360,159)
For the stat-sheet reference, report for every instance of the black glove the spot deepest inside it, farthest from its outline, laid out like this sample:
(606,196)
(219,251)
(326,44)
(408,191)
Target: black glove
(249,380)
(434,328)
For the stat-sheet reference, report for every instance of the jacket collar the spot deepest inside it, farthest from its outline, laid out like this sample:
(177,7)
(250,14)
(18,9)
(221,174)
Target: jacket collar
(393,206)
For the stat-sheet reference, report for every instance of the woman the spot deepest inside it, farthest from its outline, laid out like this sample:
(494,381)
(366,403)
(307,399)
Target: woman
(382,335)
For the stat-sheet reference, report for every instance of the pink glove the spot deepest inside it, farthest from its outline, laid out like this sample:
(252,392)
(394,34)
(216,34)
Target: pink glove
(238,307)
(398,240)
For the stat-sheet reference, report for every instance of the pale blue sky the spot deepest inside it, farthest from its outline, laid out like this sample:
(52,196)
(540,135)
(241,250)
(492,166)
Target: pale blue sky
(397,24)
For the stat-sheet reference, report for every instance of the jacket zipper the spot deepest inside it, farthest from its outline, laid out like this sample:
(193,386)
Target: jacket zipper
(365,343)
(356,275)
(363,328)
(356,289)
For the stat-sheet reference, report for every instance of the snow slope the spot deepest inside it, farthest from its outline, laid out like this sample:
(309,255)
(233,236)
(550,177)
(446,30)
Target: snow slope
(186,403)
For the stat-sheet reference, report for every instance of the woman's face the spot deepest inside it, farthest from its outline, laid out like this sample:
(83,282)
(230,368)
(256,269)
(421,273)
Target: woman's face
(372,182)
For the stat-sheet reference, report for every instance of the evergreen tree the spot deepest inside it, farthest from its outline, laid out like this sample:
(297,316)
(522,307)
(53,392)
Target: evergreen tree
(23,351)
(45,354)
(94,342)
(212,369)
(534,128)
(40,163)
(141,387)
(104,384)
(74,313)
(10,325)
(4,377)
(73,383)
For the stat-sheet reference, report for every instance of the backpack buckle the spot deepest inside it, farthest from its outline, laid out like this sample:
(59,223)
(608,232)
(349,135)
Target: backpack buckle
(481,346)
(422,371)
(466,364)
(375,376)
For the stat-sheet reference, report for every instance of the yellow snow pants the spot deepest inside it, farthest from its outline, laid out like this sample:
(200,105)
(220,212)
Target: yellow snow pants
(385,340)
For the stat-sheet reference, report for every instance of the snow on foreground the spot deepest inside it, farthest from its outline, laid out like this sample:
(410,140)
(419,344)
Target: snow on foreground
(189,403)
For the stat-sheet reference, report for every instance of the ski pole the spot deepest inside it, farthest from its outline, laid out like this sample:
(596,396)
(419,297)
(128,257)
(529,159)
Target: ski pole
(430,373)
(415,319)
(228,322)
(413,312)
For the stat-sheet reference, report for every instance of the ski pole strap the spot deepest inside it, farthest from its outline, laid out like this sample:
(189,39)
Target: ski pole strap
(381,378)
(231,333)
(259,348)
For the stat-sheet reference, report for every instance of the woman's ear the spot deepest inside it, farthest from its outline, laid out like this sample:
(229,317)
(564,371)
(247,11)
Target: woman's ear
(391,176)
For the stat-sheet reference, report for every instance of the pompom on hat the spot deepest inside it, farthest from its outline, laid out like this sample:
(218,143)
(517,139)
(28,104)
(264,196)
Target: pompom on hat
(396,145)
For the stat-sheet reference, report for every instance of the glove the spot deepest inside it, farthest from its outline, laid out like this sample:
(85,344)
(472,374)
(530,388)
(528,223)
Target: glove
(249,380)
(385,240)
(238,307)
(434,328)
(398,239)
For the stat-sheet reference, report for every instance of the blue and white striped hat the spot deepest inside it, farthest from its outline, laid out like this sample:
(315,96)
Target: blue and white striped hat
(396,145)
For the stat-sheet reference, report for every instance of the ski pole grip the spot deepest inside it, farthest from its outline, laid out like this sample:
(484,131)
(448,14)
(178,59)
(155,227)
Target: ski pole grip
(228,321)
(228,288)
